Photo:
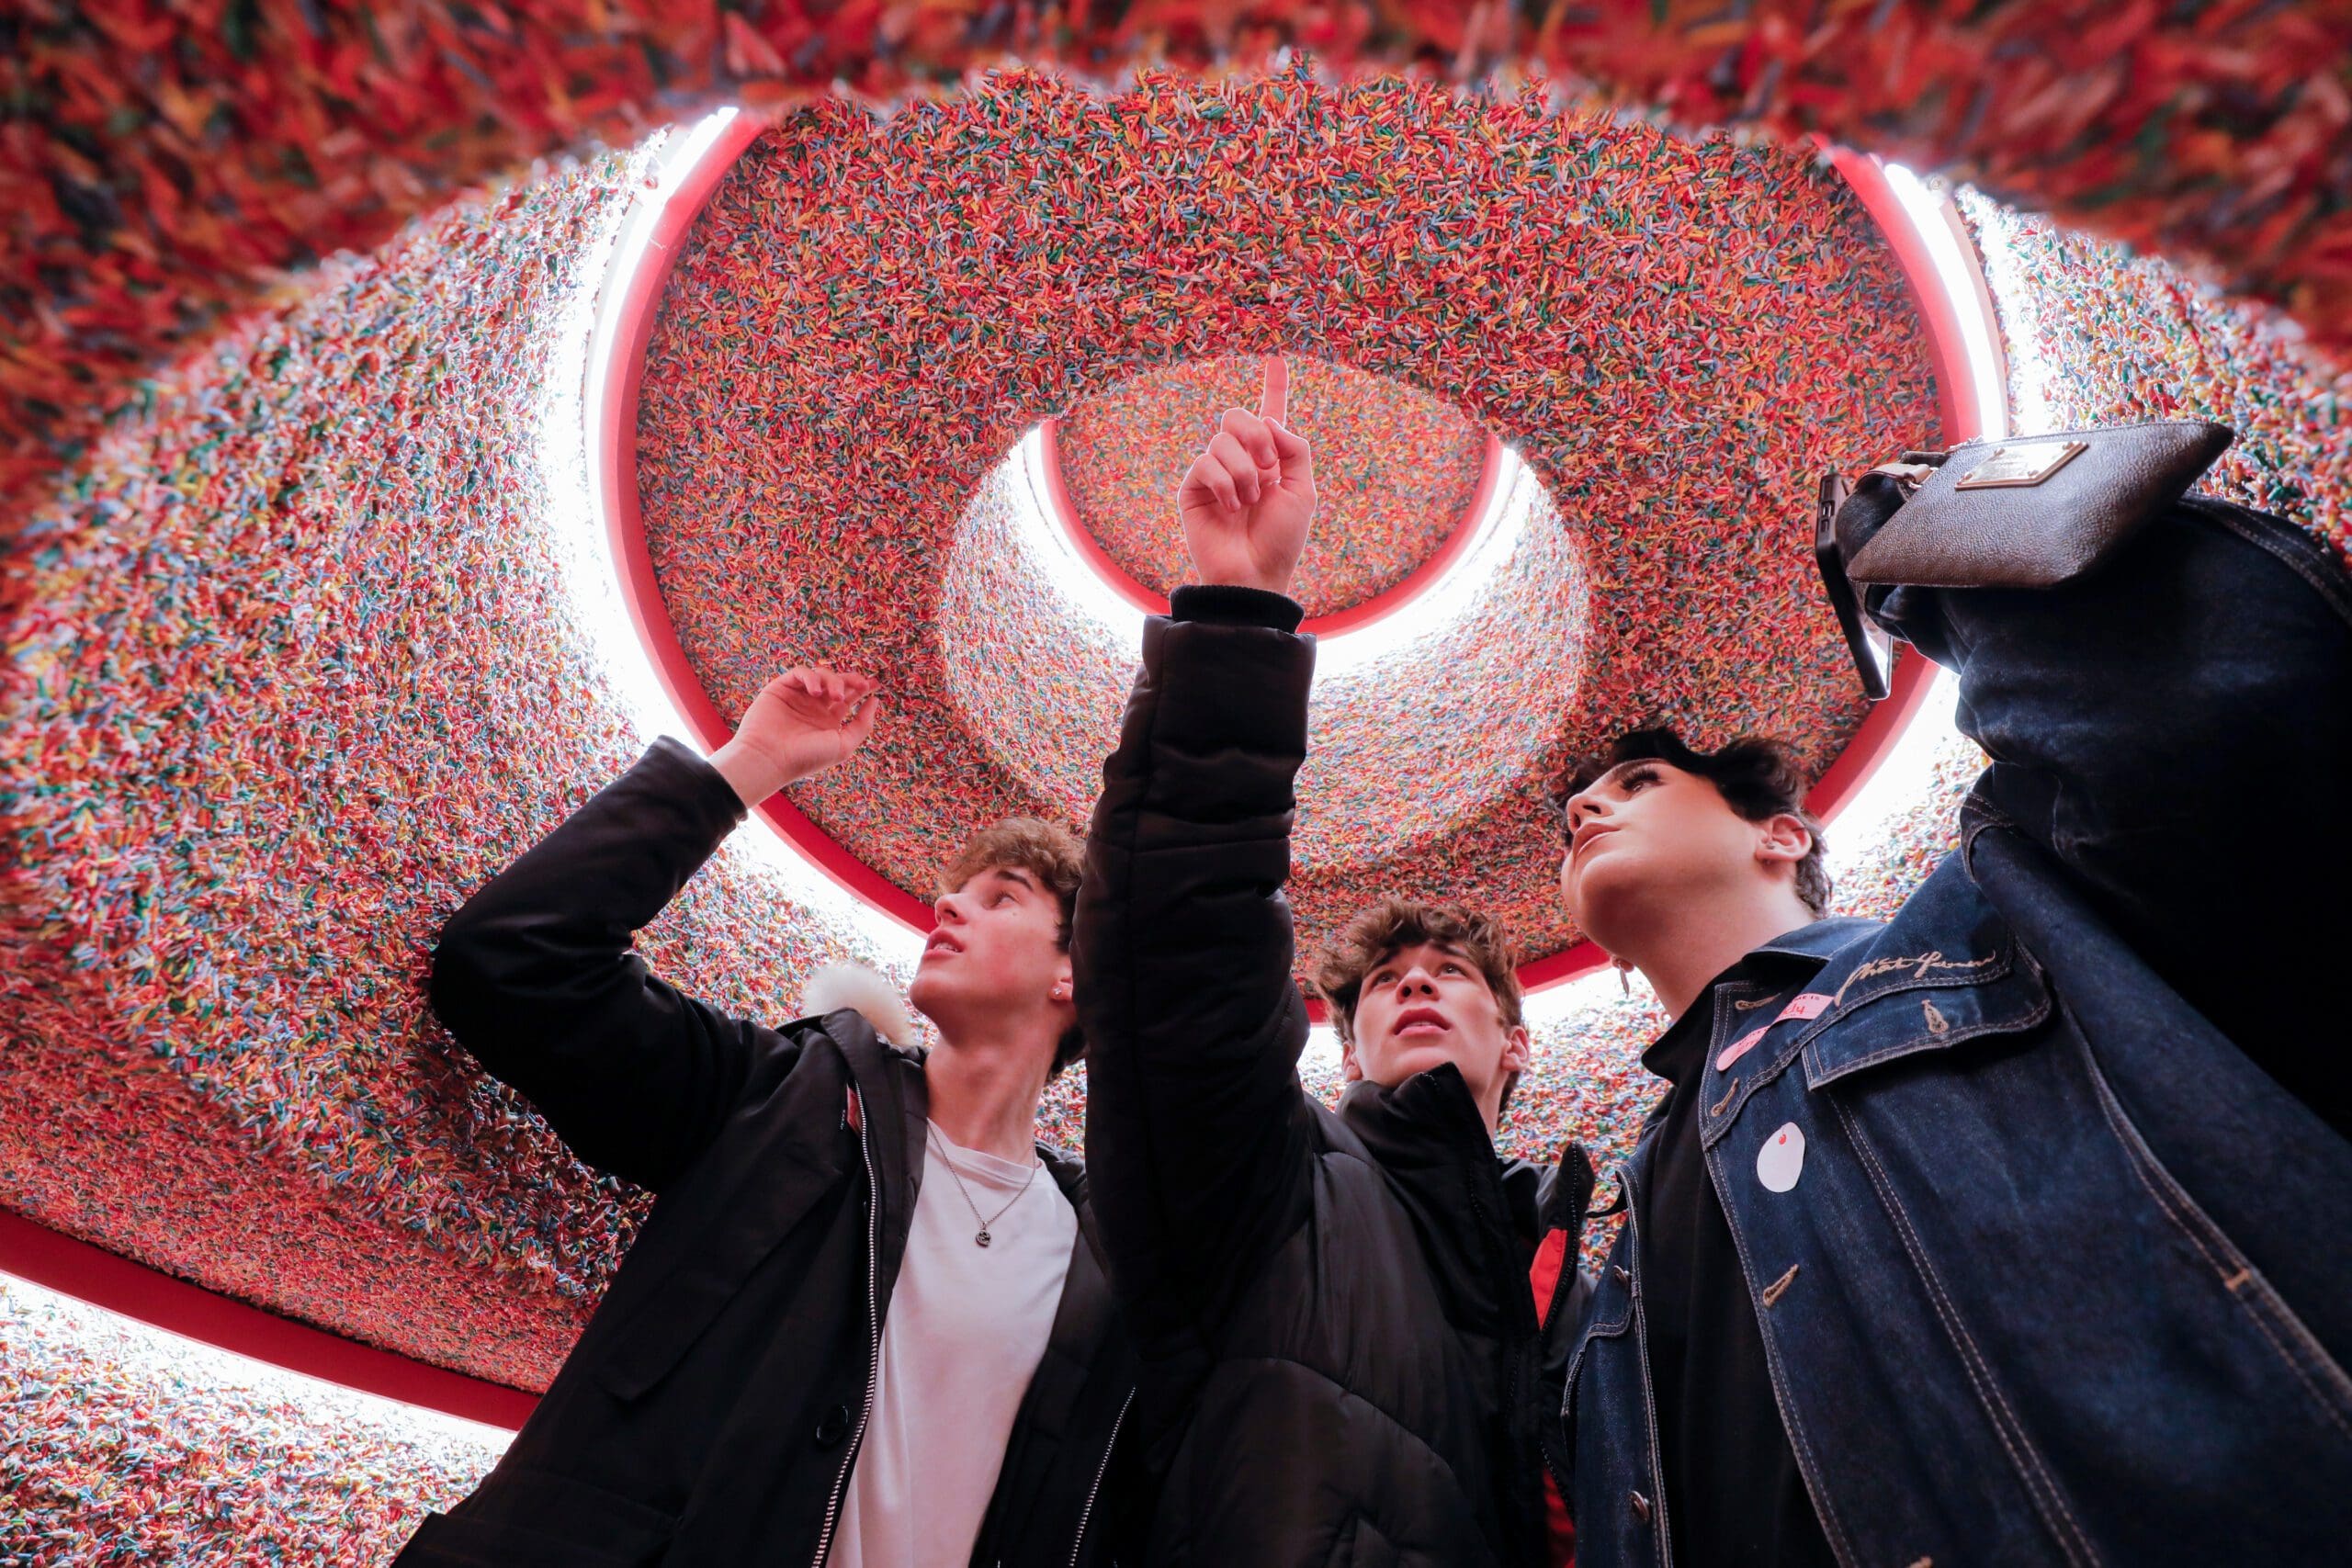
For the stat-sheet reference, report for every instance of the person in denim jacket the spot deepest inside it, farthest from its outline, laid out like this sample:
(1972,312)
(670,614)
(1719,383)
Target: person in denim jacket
(2024,1213)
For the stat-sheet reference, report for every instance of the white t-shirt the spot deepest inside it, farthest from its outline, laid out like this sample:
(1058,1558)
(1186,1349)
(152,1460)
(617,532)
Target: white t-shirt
(967,1327)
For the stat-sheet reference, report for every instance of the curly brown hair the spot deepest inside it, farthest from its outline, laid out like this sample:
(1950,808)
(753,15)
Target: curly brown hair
(1049,853)
(1394,924)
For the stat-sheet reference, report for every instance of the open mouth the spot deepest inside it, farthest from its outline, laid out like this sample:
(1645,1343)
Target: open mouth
(1422,1023)
(941,943)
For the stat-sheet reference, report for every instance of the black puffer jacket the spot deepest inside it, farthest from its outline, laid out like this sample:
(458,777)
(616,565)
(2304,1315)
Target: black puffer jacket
(1341,1356)
(708,1416)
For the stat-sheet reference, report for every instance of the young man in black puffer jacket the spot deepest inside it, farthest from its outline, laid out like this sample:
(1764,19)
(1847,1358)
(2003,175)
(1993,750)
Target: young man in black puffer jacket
(1342,1354)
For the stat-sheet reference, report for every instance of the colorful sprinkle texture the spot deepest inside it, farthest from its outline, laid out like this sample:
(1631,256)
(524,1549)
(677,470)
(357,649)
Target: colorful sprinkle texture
(1673,335)
(299,669)
(1395,474)
(126,1446)
(2097,335)
(294,664)
(168,166)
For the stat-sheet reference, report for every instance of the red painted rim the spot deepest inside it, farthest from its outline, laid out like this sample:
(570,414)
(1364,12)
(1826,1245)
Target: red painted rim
(625,371)
(1862,757)
(51,1259)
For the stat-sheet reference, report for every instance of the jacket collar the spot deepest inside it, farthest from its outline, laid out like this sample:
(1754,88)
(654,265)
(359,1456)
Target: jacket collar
(1817,941)
(1430,1142)
(893,1073)
(1674,1057)
(1428,1118)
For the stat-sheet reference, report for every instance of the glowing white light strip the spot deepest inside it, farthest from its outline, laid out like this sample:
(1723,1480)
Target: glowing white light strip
(1495,534)
(573,452)
(167,1358)
(1050,548)
(1899,781)
(1931,219)
(2004,272)
(1444,603)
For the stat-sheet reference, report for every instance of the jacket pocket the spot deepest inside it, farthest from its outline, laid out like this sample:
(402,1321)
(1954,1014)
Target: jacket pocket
(1608,1316)
(671,1308)
(1933,1004)
(536,1519)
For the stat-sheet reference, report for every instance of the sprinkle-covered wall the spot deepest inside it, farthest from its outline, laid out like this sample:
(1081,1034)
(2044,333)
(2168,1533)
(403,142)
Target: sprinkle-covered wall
(304,657)
(127,1447)
(299,649)
(165,168)
(2097,336)
(1673,337)
(303,664)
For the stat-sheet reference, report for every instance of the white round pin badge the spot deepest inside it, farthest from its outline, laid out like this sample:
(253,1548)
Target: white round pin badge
(1781,1159)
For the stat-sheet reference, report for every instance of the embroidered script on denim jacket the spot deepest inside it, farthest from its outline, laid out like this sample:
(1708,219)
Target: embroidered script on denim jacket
(1919,963)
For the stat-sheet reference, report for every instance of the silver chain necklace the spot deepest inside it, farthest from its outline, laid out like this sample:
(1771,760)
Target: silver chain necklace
(981,1237)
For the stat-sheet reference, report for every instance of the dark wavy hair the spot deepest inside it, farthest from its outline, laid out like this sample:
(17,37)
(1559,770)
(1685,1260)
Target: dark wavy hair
(1758,778)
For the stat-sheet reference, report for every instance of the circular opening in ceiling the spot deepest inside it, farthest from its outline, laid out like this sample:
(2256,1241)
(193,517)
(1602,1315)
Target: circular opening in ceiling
(843,475)
(1402,479)
(1464,684)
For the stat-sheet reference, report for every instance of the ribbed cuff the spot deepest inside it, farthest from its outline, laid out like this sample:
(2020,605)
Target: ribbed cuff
(1229,605)
(713,794)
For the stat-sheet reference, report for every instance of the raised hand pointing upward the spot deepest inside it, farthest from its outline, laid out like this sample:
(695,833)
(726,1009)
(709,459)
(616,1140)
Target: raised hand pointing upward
(1247,500)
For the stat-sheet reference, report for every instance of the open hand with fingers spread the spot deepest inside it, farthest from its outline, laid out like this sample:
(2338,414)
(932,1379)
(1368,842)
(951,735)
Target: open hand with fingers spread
(802,722)
(1247,500)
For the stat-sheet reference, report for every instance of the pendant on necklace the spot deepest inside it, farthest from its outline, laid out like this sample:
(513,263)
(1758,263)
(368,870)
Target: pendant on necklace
(982,1238)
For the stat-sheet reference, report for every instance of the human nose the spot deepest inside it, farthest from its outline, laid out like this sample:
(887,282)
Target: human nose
(945,907)
(1584,808)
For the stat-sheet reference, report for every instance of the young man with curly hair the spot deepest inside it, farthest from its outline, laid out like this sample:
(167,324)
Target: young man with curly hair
(1342,1353)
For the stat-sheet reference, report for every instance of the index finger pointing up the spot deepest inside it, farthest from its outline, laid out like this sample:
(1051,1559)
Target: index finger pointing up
(1274,402)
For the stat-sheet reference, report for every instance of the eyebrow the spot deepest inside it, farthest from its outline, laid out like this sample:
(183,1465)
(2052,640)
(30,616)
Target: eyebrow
(1014,874)
(1445,947)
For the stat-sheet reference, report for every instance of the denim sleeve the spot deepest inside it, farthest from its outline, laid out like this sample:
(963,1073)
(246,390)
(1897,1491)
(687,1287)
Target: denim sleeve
(2175,730)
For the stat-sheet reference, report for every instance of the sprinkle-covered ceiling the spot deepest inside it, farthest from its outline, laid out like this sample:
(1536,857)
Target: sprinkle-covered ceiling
(1397,473)
(1674,338)
(300,650)
(166,167)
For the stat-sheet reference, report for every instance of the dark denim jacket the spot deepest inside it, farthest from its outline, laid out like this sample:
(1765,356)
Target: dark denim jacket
(2059,1274)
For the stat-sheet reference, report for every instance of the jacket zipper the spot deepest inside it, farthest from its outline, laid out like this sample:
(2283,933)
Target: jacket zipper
(1086,1515)
(1542,1335)
(1514,1361)
(1543,1332)
(872,1344)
